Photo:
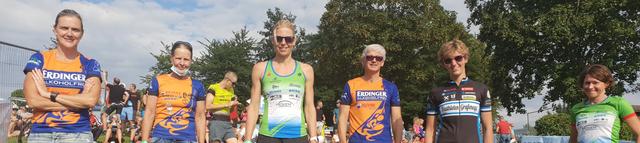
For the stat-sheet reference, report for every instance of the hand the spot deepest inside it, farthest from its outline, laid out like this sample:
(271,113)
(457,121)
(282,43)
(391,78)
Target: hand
(235,102)
(38,79)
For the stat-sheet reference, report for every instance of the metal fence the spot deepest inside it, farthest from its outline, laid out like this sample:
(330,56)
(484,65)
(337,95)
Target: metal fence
(12,60)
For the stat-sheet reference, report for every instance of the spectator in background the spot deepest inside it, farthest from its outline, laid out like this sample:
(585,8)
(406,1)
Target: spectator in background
(320,119)
(418,129)
(116,97)
(505,131)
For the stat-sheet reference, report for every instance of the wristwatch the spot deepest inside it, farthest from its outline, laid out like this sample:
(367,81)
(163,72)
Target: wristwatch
(314,138)
(53,96)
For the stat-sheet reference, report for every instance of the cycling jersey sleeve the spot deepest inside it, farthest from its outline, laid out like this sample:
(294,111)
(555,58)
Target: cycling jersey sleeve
(36,61)
(485,101)
(211,90)
(346,98)
(92,69)
(625,110)
(432,108)
(395,95)
(153,86)
(198,90)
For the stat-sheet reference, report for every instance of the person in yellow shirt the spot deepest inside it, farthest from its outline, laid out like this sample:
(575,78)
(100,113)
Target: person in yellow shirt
(220,99)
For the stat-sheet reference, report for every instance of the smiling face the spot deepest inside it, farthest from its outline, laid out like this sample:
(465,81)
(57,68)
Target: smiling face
(284,41)
(454,63)
(68,31)
(181,59)
(373,61)
(593,88)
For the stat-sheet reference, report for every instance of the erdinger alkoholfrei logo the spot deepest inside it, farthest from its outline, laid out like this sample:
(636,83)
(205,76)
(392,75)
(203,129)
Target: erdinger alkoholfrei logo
(371,95)
(63,79)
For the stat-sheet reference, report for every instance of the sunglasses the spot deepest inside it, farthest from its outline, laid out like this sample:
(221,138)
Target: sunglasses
(457,58)
(232,83)
(288,39)
(377,58)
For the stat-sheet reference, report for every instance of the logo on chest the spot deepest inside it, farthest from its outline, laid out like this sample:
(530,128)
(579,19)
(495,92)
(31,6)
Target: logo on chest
(64,79)
(371,95)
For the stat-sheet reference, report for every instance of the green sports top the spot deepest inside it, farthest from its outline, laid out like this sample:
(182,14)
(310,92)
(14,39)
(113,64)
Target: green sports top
(597,123)
(283,103)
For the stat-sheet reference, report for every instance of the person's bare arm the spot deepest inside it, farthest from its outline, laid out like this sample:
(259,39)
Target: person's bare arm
(147,120)
(342,123)
(200,121)
(430,129)
(309,107)
(126,97)
(634,123)
(33,98)
(487,126)
(573,138)
(396,118)
(252,109)
(87,99)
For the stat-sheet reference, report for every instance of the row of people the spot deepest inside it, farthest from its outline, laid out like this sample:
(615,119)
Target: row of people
(62,84)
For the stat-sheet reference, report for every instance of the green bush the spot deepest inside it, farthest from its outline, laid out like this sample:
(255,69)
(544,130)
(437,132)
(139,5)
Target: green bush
(558,124)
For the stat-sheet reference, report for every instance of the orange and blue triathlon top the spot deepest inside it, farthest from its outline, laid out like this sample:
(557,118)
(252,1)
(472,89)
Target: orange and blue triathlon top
(175,107)
(66,78)
(370,111)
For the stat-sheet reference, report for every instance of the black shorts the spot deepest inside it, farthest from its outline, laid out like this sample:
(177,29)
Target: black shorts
(267,139)
(115,106)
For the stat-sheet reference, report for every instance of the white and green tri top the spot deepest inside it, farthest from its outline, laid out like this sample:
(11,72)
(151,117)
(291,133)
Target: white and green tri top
(284,101)
(600,123)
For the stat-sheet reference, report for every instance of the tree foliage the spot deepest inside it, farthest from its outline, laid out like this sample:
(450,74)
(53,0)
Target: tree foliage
(227,55)
(540,47)
(163,63)
(18,97)
(411,32)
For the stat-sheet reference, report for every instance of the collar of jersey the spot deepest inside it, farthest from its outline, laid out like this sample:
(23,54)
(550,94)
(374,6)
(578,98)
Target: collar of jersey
(464,80)
(586,102)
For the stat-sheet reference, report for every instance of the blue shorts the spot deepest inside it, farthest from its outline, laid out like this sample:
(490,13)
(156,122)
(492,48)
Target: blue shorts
(161,140)
(127,114)
(59,137)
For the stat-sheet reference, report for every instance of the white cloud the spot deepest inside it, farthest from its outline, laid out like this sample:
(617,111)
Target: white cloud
(122,33)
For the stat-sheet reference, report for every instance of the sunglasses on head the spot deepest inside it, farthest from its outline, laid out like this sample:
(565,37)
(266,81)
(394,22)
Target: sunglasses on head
(288,39)
(371,58)
(457,58)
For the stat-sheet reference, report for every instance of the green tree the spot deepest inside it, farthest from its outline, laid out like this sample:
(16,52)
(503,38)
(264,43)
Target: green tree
(227,55)
(540,47)
(626,133)
(411,32)
(18,97)
(557,124)
(163,64)
(18,93)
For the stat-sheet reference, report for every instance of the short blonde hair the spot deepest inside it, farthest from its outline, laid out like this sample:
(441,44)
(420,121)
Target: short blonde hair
(452,46)
(231,75)
(284,24)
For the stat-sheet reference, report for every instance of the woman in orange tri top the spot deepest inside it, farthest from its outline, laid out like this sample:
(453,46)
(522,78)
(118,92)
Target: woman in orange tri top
(176,103)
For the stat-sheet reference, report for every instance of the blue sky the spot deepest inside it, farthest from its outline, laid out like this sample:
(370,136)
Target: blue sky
(122,33)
